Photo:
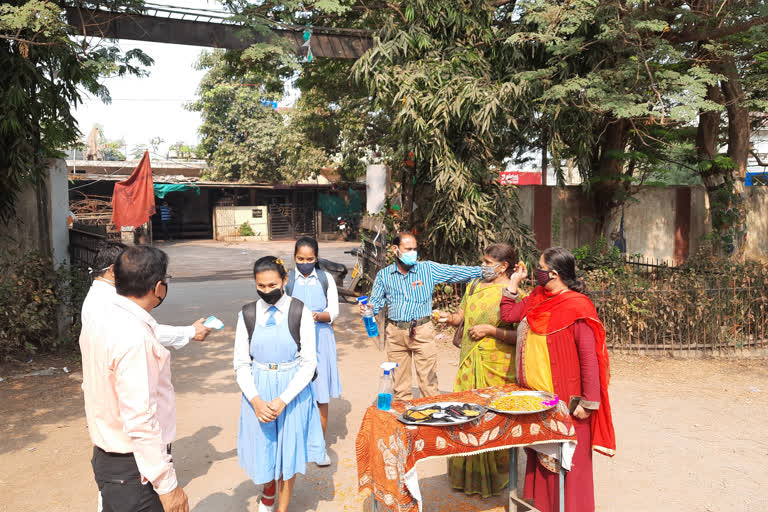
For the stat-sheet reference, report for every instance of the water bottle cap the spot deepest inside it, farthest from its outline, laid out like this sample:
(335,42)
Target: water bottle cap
(386,372)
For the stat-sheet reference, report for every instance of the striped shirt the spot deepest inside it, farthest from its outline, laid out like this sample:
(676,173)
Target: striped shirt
(165,213)
(409,296)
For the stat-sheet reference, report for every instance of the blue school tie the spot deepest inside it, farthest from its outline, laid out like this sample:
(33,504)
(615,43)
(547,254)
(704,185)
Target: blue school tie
(271,320)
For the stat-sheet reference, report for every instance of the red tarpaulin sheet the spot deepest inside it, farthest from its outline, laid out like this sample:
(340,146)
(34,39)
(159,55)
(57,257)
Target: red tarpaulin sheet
(133,201)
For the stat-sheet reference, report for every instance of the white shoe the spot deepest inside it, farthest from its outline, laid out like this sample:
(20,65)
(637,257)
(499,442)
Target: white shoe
(326,461)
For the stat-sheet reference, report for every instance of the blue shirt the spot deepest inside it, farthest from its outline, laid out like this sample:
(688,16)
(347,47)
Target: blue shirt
(410,296)
(165,213)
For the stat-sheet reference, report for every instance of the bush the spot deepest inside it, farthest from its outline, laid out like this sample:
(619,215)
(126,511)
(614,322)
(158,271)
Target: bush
(35,301)
(598,255)
(245,230)
(682,308)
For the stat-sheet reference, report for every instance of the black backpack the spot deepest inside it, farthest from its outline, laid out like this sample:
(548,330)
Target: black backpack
(294,322)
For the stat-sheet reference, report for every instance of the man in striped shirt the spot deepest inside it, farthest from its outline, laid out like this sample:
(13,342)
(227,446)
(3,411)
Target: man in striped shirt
(406,287)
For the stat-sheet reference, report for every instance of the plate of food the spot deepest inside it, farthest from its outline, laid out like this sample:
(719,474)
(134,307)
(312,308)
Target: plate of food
(440,414)
(522,402)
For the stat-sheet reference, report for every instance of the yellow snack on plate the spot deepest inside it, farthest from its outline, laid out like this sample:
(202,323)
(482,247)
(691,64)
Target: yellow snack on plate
(517,403)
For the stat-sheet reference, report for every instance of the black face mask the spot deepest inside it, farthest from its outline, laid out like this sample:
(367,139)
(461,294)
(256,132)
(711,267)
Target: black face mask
(542,276)
(305,268)
(271,297)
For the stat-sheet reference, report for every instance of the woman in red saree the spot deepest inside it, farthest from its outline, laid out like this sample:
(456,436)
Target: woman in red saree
(561,349)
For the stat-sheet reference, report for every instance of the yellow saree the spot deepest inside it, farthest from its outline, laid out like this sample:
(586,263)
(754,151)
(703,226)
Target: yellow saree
(482,363)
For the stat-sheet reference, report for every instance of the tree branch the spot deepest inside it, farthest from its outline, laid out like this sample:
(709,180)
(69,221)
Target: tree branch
(757,158)
(27,41)
(706,35)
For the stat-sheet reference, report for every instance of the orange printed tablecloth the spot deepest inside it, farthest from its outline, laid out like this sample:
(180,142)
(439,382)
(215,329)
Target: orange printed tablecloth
(388,450)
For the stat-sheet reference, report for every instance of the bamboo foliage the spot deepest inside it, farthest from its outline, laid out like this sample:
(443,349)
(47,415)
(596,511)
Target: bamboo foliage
(445,77)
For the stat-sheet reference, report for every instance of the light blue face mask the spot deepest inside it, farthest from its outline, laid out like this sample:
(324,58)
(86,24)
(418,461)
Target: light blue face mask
(409,258)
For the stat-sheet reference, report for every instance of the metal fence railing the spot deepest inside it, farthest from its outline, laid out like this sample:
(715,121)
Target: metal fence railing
(669,317)
(84,241)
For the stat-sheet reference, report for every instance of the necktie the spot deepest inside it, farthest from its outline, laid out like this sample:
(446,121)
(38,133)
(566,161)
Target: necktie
(271,319)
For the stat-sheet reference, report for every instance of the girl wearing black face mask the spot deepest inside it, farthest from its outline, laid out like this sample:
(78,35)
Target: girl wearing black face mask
(317,289)
(561,349)
(280,425)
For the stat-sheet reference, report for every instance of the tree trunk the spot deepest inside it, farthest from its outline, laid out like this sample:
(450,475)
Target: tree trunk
(609,171)
(544,155)
(738,116)
(725,191)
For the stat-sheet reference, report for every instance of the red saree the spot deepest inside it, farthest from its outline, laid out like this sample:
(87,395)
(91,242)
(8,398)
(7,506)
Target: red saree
(548,314)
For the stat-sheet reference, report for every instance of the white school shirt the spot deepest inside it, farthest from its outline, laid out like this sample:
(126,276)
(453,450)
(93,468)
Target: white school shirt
(102,294)
(307,354)
(332,308)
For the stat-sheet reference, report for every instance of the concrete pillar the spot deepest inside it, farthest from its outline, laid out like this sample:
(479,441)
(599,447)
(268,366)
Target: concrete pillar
(375,188)
(58,190)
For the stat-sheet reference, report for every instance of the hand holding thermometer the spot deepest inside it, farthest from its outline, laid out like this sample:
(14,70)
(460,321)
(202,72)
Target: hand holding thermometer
(213,323)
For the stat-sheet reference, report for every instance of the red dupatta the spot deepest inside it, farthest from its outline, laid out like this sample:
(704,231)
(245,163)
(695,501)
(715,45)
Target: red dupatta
(547,314)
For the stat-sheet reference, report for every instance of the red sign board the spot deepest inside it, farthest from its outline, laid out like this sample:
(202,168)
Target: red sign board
(519,178)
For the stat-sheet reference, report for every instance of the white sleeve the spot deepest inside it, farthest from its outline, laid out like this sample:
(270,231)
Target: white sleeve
(307,358)
(333,299)
(242,360)
(176,337)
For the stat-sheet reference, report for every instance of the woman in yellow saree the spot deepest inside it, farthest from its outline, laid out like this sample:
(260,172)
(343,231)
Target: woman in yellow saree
(487,359)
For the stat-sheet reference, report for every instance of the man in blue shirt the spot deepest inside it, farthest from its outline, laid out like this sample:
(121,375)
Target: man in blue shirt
(166,213)
(406,287)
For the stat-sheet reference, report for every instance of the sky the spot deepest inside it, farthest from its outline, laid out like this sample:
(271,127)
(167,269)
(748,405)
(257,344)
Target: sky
(143,108)
(153,106)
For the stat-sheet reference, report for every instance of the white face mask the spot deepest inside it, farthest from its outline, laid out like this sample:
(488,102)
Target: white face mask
(489,272)
(91,272)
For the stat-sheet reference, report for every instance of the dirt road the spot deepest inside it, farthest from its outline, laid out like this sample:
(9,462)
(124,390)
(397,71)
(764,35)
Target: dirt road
(690,433)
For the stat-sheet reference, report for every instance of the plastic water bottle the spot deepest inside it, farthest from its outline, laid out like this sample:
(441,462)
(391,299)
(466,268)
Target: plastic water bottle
(386,387)
(368,318)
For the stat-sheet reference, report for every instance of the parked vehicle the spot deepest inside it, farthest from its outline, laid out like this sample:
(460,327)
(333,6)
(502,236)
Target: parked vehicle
(347,228)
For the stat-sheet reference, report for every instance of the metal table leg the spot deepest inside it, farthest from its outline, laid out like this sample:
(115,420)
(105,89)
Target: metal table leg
(561,485)
(513,497)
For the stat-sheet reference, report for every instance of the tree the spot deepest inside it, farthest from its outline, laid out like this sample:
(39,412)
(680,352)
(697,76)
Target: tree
(333,114)
(110,149)
(44,72)
(243,139)
(627,81)
(731,40)
(617,94)
(445,73)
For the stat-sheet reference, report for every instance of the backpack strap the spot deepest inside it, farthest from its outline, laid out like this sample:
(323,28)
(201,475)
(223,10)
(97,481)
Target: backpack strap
(291,282)
(294,321)
(295,311)
(249,317)
(322,276)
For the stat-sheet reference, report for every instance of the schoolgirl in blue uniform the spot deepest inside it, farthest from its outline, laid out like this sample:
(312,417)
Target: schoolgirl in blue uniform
(280,430)
(317,289)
